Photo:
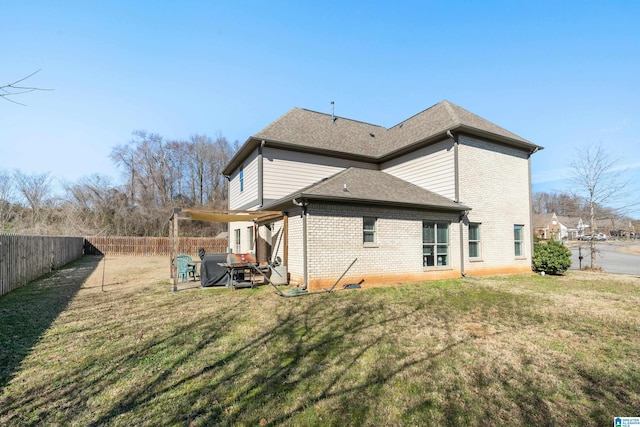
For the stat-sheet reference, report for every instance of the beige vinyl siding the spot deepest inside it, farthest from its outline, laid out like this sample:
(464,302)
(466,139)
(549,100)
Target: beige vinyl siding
(431,168)
(237,198)
(288,171)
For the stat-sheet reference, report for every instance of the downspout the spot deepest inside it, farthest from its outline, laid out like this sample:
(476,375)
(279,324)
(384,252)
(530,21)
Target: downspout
(260,175)
(305,272)
(456,174)
(531,206)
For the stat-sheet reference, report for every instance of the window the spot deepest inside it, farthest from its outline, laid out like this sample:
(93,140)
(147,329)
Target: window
(435,244)
(368,230)
(250,238)
(237,241)
(474,240)
(241,178)
(518,237)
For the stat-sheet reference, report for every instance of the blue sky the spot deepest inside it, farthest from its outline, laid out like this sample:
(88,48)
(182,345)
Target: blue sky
(560,74)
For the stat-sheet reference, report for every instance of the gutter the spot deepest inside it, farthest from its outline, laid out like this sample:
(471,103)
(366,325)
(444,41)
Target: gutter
(307,197)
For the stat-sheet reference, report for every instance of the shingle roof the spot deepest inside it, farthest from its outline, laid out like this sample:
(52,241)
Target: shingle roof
(569,221)
(372,186)
(440,118)
(542,220)
(316,130)
(308,130)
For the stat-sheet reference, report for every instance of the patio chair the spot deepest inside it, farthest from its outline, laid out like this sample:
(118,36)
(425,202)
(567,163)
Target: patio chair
(184,269)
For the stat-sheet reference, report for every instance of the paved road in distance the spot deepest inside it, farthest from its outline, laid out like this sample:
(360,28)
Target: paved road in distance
(608,258)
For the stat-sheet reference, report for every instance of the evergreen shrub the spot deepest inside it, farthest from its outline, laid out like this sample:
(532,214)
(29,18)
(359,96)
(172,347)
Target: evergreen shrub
(552,257)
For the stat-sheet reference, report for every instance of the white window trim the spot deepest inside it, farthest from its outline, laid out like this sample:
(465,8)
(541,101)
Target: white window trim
(374,232)
(522,247)
(479,241)
(250,237)
(237,246)
(435,246)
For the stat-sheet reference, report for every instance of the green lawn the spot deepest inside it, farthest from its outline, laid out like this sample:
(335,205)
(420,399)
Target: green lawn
(513,350)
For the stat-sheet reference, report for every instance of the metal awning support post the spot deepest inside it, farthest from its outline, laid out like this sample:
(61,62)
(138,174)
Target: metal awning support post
(174,248)
(171,247)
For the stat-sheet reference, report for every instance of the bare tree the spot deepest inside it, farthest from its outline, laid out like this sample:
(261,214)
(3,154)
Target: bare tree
(200,148)
(35,189)
(125,157)
(7,206)
(91,206)
(598,181)
(559,203)
(16,88)
(161,174)
(540,202)
(222,152)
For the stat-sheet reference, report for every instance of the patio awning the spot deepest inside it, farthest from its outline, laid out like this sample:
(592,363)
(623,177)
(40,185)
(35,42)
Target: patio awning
(212,215)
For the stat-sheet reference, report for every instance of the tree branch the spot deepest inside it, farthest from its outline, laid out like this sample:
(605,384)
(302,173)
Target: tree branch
(12,89)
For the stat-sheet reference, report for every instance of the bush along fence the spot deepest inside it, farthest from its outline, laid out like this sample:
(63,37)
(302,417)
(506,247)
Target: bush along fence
(24,258)
(151,246)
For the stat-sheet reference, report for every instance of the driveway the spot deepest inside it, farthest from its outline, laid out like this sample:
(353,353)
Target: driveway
(608,257)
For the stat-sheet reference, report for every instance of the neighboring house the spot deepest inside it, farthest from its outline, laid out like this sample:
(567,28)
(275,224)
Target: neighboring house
(577,228)
(552,226)
(615,227)
(442,194)
(547,226)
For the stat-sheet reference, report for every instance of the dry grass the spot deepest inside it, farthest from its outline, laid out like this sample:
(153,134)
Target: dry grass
(630,249)
(518,350)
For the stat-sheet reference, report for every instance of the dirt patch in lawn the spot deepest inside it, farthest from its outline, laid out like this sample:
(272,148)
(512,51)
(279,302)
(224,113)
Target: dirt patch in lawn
(129,272)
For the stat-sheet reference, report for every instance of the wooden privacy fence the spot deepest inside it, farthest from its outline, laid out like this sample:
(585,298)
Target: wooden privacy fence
(24,258)
(151,246)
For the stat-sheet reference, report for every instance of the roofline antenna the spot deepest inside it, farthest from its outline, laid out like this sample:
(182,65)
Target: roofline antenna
(333,116)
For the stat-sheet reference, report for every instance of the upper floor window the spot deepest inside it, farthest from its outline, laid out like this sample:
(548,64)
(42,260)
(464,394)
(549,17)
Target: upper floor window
(435,244)
(474,240)
(241,177)
(518,239)
(368,230)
